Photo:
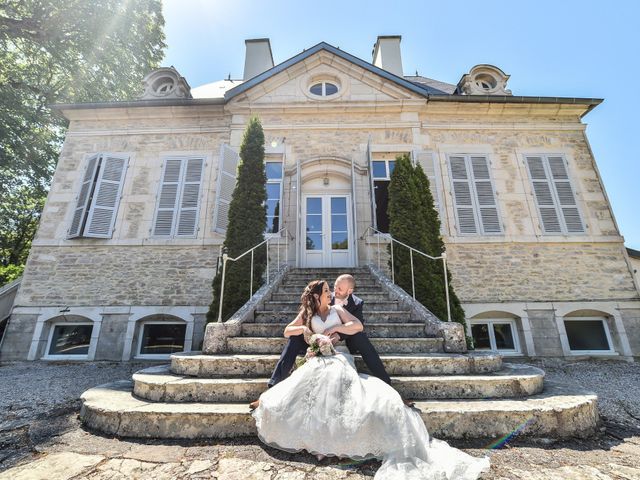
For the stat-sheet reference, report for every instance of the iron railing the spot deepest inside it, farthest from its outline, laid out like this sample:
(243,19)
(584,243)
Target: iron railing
(226,258)
(380,235)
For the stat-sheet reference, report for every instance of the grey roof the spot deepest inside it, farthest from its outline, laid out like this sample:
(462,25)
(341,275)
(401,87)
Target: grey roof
(633,253)
(432,90)
(431,85)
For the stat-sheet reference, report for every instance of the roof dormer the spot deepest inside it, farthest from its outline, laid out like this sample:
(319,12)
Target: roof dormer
(165,83)
(483,80)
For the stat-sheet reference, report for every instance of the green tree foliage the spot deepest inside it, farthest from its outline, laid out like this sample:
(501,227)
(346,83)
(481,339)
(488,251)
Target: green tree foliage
(62,52)
(414,221)
(247,224)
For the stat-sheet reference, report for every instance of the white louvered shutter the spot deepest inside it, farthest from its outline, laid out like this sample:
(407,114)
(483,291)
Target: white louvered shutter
(427,161)
(372,188)
(485,195)
(190,198)
(168,197)
(227,173)
(104,206)
(462,195)
(544,195)
(83,197)
(564,192)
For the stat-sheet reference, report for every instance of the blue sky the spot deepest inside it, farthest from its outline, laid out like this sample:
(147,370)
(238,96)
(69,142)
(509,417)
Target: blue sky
(550,48)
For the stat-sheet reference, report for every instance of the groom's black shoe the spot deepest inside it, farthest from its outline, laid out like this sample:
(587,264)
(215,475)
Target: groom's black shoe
(408,403)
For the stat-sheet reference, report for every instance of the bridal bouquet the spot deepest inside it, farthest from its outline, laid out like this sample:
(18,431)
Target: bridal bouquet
(320,345)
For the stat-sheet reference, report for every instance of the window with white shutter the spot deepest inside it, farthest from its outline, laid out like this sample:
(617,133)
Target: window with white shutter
(474,195)
(554,194)
(428,162)
(227,174)
(178,202)
(99,197)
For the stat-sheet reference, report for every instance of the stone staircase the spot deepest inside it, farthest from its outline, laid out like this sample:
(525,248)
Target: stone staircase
(470,395)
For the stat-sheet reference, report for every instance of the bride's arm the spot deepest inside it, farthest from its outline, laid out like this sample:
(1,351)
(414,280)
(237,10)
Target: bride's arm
(350,324)
(297,327)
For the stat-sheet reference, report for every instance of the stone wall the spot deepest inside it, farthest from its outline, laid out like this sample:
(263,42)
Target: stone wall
(119,275)
(497,272)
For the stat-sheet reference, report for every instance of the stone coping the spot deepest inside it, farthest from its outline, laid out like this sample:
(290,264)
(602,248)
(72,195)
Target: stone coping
(216,334)
(452,332)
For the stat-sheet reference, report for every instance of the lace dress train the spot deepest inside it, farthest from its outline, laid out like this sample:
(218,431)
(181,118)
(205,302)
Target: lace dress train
(326,407)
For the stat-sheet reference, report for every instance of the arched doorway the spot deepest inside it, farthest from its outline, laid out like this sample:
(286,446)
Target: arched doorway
(326,214)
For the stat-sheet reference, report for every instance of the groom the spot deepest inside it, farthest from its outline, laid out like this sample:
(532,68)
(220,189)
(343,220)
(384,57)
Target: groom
(357,343)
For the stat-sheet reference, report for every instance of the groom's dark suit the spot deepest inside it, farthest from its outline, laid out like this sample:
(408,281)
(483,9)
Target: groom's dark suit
(358,342)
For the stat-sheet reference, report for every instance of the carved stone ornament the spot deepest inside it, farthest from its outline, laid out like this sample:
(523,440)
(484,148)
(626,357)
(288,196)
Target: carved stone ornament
(165,83)
(484,80)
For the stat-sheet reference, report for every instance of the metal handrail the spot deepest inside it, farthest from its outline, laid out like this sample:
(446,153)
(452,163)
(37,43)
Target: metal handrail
(411,250)
(226,258)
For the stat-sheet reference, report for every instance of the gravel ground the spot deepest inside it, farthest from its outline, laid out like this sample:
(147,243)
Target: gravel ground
(39,403)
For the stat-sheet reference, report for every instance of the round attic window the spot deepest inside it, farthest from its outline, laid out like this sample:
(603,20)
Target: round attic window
(485,81)
(323,89)
(163,85)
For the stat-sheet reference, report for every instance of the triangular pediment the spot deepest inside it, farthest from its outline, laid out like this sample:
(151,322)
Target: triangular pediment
(357,81)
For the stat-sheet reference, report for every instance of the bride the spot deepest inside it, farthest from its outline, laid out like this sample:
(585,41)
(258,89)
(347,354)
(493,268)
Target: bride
(328,409)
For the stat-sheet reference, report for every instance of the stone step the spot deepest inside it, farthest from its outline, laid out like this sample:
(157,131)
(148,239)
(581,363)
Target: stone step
(374,330)
(301,282)
(557,412)
(158,384)
(378,316)
(366,295)
(382,345)
(293,305)
(261,365)
(327,275)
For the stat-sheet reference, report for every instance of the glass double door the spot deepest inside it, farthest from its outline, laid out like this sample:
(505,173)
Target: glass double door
(327,231)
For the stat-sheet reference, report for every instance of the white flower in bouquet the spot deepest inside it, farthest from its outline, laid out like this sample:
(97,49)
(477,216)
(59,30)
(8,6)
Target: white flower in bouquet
(320,345)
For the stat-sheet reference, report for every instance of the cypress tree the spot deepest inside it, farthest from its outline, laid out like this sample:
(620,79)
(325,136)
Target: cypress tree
(413,220)
(246,227)
(434,298)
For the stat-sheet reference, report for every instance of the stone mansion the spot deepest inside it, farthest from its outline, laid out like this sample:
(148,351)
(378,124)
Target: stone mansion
(130,235)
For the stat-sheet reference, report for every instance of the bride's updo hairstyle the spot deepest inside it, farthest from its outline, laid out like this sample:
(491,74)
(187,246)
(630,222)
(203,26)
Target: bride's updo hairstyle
(308,303)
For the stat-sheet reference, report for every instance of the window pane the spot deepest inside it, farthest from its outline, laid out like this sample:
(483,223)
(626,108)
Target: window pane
(504,336)
(273,191)
(314,223)
(273,207)
(480,334)
(379,169)
(273,170)
(339,241)
(163,338)
(314,205)
(273,224)
(316,89)
(314,241)
(338,223)
(586,335)
(338,205)
(330,88)
(71,340)
(392,166)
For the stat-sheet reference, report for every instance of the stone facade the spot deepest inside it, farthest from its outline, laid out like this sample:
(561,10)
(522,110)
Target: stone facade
(522,269)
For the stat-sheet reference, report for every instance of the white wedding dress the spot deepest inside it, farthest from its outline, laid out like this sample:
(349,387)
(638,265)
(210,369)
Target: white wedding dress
(326,407)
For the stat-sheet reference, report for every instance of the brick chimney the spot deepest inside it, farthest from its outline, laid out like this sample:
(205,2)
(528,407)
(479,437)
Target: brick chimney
(386,54)
(258,58)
